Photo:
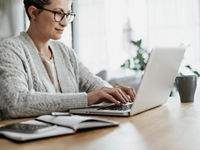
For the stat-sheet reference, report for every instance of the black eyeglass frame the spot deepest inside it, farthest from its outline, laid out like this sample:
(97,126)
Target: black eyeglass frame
(55,12)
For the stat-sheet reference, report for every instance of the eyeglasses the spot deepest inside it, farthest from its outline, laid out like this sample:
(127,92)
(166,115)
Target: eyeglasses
(59,15)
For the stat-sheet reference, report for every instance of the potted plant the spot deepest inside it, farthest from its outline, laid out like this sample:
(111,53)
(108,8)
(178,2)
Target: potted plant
(139,62)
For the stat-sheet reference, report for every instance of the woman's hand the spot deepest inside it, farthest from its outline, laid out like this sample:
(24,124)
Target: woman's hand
(116,95)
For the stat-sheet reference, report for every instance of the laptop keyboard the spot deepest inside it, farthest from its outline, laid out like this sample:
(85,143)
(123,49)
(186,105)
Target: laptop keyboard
(122,107)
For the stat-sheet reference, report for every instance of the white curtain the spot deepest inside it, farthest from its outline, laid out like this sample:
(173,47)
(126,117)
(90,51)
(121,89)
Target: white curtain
(105,27)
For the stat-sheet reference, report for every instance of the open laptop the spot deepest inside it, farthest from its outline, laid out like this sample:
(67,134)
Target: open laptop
(154,89)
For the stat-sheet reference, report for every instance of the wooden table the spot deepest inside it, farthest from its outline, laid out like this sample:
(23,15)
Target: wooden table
(173,126)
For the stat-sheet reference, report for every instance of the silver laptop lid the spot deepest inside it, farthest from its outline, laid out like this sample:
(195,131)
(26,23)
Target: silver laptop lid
(158,79)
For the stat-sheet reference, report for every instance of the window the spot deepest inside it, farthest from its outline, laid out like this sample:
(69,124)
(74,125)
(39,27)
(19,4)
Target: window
(103,29)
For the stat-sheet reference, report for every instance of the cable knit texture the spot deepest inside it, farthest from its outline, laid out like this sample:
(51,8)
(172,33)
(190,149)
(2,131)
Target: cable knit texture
(25,87)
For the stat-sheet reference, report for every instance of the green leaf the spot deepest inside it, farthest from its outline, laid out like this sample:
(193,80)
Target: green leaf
(123,65)
(195,72)
(188,66)
(137,43)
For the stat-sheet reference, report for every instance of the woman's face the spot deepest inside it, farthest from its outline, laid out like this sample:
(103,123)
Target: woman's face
(45,23)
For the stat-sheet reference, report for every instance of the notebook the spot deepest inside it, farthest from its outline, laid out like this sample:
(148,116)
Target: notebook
(155,86)
(50,126)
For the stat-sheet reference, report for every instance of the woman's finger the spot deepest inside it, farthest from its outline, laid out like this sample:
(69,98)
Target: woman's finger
(129,91)
(115,92)
(112,99)
(124,95)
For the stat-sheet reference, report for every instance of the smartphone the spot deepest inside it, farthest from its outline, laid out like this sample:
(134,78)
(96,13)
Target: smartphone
(26,128)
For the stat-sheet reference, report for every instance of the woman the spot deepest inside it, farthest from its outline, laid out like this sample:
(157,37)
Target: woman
(39,75)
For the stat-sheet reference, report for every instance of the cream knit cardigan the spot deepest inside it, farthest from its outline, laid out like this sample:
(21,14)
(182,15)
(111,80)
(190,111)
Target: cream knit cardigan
(25,87)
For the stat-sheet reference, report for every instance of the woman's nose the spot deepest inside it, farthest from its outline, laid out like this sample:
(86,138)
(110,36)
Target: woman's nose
(64,22)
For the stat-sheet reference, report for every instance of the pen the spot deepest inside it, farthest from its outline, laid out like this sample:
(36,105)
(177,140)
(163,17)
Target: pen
(60,114)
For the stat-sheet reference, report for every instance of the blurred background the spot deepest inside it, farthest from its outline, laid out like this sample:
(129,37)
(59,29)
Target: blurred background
(102,30)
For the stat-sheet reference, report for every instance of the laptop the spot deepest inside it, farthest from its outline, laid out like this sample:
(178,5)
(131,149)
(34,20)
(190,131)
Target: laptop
(154,89)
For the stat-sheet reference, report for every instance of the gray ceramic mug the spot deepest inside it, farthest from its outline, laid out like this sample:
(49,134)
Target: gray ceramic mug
(186,86)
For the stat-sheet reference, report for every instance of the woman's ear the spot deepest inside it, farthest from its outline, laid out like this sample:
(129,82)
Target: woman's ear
(32,10)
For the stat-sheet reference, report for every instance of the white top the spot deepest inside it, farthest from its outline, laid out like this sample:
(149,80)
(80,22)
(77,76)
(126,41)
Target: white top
(51,70)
